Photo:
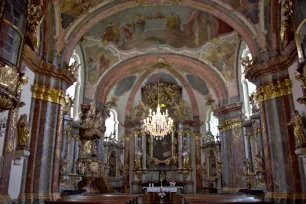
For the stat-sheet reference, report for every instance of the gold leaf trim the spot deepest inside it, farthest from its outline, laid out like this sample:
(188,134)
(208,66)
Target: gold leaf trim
(273,90)
(45,93)
(230,124)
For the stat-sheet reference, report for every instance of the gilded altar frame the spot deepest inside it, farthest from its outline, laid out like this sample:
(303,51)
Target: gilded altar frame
(173,159)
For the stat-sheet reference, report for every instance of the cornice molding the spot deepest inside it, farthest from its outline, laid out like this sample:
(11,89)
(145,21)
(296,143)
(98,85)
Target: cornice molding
(234,107)
(274,64)
(38,66)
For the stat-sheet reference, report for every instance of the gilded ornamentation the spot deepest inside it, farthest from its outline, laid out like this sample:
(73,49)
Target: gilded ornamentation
(9,78)
(23,80)
(141,111)
(210,101)
(34,19)
(286,30)
(297,123)
(180,110)
(45,93)
(23,130)
(246,167)
(137,158)
(259,164)
(219,168)
(302,78)
(161,63)
(112,103)
(73,68)
(186,157)
(12,130)
(59,132)
(169,94)
(273,90)
(65,164)
(229,125)
(87,147)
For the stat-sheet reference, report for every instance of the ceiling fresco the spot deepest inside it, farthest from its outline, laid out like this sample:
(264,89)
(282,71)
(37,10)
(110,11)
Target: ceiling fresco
(97,59)
(144,27)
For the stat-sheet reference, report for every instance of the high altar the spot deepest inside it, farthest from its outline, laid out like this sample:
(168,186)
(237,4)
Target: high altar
(172,155)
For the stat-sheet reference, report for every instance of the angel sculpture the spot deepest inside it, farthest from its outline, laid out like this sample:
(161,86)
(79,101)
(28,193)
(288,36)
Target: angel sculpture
(141,111)
(180,110)
(112,103)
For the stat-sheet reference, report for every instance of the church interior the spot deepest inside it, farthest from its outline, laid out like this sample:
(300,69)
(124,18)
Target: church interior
(152,101)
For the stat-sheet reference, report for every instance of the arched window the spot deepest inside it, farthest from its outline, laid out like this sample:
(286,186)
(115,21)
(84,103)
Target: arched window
(76,89)
(111,125)
(212,125)
(247,87)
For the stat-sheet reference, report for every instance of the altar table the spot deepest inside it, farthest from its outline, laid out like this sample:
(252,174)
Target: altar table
(172,189)
(169,190)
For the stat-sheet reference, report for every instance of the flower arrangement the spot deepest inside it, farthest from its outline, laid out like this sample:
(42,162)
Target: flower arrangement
(172,183)
(161,194)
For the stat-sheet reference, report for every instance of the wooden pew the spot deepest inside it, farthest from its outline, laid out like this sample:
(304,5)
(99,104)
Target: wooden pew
(101,199)
(219,198)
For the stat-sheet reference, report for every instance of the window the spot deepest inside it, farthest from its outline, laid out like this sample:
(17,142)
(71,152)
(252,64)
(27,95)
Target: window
(212,125)
(111,125)
(71,90)
(247,87)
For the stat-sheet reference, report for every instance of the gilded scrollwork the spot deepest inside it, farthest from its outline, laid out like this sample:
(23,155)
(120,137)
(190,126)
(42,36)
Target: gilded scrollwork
(34,19)
(230,124)
(46,93)
(273,90)
(23,130)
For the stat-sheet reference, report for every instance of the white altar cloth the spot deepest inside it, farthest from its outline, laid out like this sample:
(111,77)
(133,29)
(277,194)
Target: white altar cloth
(165,188)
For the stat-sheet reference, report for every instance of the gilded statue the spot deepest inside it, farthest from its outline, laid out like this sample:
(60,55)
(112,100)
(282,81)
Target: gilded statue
(246,167)
(65,164)
(180,110)
(219,168)
(87,147)
(73,68)
(298,126)
(137,160)
(112,103)
(246,62)
(210,101)
(141,111)
(185,155)
(259,164)
(34,19)
(23,130)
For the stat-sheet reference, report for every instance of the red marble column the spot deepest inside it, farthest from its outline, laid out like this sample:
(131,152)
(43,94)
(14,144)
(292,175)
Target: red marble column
(232,146)
(274,96)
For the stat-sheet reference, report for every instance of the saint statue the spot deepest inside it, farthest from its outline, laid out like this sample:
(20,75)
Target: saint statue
(219,168)
(246,167)
(185,155)
(87,147)
(65,164)
(137,161)
(259,164)
(23,130)
(298,126)
(73,68)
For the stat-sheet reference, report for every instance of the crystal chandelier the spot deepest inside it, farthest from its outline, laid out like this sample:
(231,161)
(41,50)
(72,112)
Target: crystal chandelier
(158,124)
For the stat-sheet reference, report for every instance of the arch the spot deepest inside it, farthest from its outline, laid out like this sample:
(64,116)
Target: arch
(137,85)
(139,63)
(84,24)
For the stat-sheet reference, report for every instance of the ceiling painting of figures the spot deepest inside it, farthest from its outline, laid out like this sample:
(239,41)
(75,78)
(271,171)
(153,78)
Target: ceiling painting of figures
(144,27)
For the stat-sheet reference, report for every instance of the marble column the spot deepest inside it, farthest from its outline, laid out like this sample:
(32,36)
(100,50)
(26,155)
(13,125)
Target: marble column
(281,164)
(197,140)
(180,133)
(274,96)
(232,144)
(144,149)
(47,110)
